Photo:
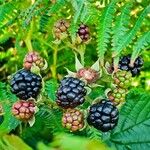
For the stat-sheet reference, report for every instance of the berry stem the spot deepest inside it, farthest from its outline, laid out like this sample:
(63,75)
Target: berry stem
(116,62)
(82,57)
(28,38)
(54,66)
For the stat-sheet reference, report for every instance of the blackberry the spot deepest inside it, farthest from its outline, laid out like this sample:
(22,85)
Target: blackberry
(73,120)
(84,33)
(117,96)
(33,58)
(103,116)
(60,27)
(26,84)
(23,110)
(122,79)
(124,64)
(71,93)
(88,74)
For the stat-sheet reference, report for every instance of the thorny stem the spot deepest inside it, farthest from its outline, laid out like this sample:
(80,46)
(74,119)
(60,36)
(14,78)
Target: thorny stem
(82,57)
(20,129)
(28,38)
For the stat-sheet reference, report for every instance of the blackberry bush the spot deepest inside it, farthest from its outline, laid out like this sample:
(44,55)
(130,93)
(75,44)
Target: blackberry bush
(25,84)
(101,33)
(71,93)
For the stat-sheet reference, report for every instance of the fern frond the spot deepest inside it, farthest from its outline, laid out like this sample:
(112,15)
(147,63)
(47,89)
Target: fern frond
(6,12)
(46,15)
(93,133)
(124,41)
(30,12)
(121,25)
(52,118)
(3,91)
(50,89)
(140,45)
(57,6)
(74,26)
(6,99)
(104,30)
(89,13)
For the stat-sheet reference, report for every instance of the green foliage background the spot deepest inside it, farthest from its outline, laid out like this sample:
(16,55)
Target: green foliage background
(117,28)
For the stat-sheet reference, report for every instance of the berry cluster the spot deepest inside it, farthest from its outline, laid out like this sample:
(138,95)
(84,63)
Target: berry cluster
(124,64)
(61,27)
(70,94)
(122,80)
(103,116)
(26,85)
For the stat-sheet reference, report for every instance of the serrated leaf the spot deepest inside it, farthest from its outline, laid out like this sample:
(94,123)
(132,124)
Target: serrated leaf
(134,123)
(124,41)
(121,25)
(104,30)
(50,89)
(140,45)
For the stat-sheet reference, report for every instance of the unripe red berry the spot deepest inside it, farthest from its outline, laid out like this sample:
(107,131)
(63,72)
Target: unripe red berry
(33,58)
(88,74)
(23,110)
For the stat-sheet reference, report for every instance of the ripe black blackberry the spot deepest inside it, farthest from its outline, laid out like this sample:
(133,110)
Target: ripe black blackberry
(103,116)
(84,33)
(26,84)
(71,93)
(124,64)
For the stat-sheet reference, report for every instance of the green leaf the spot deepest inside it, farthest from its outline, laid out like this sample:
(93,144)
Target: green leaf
(6,11)
(74,26)
(7,99)
(52,119)
(134,123)
(69,142)
(125,40)
(12,142)
(141,44)
(104,30)
(58,5)
(50,89)
(121,25)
